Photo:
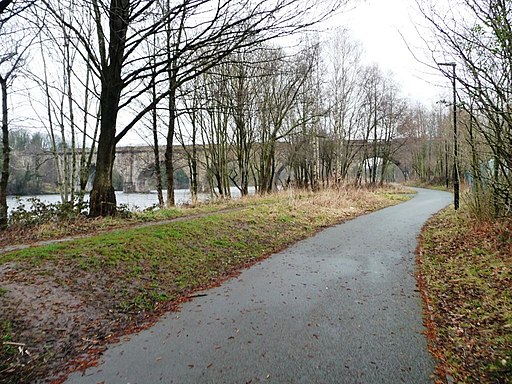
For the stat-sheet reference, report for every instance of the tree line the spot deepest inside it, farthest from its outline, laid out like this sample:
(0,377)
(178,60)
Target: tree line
(214,76)
(480,46)
(98,60)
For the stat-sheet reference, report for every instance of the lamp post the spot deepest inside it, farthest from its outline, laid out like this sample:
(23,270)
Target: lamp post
(455,146)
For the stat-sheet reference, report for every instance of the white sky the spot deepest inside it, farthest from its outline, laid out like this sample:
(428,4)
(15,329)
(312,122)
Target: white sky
(377,24)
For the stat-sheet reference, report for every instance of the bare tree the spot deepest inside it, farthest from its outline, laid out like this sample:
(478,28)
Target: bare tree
(428,130)
(11,60)
(395,112)
(7,12)
(5,142)
(344,68)
(242,86)
(277,97)
(372,84)
(478,37)
(189,132)
(306,157)
(217,29)
(68,93)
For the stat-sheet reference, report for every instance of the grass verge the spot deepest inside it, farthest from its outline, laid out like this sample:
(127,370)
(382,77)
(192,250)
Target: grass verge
(63,302)
(76,225)
(465,276)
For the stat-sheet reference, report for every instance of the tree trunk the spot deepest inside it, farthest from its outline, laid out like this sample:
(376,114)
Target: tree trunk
(103,198)
(85,156)
(267,166)
(193,165)
(194,174)
(156,149)
(5,157)
(169,166)
(72,168)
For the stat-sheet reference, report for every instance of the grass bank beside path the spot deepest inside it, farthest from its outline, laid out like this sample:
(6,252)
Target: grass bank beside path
(465,277)
(61,303)
(74,226)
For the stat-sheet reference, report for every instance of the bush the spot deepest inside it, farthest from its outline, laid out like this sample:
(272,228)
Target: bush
(36,212)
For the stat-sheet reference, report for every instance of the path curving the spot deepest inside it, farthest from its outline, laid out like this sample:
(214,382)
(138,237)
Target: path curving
(340,307)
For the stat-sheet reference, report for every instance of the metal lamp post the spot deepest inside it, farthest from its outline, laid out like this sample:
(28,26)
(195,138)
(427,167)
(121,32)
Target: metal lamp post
(455,146)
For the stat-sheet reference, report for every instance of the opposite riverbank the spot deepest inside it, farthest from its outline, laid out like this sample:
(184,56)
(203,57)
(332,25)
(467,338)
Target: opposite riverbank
(64,301)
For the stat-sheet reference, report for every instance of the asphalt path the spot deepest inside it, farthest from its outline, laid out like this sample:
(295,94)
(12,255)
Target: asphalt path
(340,307)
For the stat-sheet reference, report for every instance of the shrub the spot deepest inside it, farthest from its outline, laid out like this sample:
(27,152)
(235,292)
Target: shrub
(36,212)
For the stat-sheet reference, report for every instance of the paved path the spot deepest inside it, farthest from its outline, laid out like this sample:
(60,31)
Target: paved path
(340,307)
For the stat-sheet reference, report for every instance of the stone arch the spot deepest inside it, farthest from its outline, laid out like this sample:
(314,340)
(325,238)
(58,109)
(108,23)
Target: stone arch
(282,176)
(146,179)
(118,178)
(401,167)
(391,160)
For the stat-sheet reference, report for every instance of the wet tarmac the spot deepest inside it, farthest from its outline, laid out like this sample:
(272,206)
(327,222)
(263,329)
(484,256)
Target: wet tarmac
(340,307)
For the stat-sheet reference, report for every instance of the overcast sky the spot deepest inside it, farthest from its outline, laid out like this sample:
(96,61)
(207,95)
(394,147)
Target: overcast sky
(377,24)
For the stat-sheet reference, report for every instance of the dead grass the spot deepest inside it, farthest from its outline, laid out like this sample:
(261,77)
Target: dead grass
(465,272)
(339,198)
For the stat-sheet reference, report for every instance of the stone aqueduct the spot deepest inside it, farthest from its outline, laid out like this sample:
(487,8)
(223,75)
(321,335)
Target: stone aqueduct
(136,164)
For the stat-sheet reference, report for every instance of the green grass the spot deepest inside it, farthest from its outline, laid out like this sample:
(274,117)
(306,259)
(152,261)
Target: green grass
(174,257)
(125,276)
(7,352)
(398,197)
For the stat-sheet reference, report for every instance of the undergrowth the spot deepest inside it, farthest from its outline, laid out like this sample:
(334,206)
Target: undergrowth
(466,270)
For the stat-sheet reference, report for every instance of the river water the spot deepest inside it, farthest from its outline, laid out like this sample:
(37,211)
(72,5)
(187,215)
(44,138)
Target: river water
(134,201)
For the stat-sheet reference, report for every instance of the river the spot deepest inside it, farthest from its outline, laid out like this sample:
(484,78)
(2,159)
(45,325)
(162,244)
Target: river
(134,201)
